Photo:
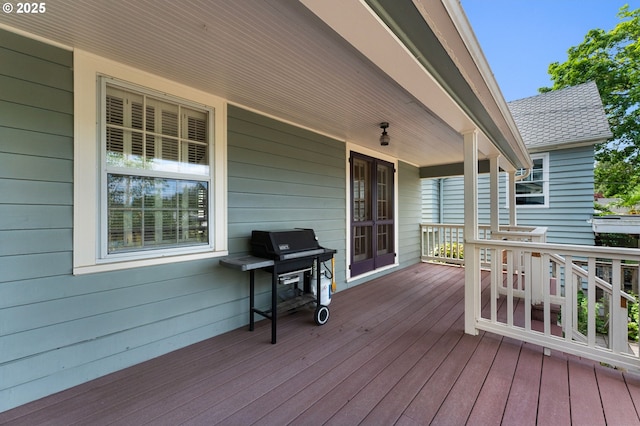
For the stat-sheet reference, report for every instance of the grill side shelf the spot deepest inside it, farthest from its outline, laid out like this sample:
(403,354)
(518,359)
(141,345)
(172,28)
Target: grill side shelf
(246,263)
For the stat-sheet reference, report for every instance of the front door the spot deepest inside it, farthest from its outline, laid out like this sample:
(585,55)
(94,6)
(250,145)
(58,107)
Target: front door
(372,210)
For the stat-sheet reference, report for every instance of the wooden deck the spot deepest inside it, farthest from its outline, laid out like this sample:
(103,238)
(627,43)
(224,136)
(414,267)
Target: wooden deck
(393,352)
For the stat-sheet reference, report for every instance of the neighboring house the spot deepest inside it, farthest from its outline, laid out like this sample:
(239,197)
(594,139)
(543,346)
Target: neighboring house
(560,129)
(140,142)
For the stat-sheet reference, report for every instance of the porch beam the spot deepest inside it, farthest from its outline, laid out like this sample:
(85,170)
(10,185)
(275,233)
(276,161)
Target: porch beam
(472,255)
(453,169)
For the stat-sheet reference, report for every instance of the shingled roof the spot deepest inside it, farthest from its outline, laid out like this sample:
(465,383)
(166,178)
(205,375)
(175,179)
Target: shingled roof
(573,116)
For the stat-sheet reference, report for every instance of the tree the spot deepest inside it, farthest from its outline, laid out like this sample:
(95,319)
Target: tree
(612,60)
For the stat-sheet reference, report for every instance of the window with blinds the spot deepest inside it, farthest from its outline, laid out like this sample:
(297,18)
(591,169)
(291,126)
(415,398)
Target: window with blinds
(158,175)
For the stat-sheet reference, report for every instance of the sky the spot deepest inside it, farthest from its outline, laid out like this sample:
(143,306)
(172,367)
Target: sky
(520,38)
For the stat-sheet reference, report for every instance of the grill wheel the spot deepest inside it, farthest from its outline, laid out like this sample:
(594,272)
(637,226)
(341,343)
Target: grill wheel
(321,315)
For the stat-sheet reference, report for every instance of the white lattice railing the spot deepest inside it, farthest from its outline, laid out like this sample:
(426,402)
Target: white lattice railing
(563,297)
(580,313)
(444,243)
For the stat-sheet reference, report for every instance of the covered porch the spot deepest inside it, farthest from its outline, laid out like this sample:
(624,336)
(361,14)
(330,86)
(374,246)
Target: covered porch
(394,352)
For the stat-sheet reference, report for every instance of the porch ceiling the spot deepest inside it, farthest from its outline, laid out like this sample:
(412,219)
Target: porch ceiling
(276,57)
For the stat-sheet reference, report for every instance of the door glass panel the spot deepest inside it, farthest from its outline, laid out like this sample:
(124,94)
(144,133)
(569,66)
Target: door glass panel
(384,240)
(384,188)
(361,190)
(361,243)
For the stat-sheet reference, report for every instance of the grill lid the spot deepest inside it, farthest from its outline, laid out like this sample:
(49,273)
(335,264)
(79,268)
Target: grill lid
(286,244)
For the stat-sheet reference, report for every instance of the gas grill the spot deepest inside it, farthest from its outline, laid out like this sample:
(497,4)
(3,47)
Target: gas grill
(293,257)
(291,249)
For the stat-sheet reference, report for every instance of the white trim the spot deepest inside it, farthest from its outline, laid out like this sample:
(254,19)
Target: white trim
(375,154)
(370,273)
(87,188)
(117,266)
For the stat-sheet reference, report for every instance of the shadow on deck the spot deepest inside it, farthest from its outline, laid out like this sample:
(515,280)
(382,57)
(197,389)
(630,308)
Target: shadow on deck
(393,352)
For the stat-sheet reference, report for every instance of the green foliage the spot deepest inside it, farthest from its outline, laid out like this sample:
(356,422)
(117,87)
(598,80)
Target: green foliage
(616,240)
(632,324)
(450,250)
(612,60)
(583,316)
(601,209)
(631,200)
(601,321)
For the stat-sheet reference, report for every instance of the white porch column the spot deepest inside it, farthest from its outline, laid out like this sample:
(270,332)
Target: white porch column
(471,254)
(494,193)
(512,199)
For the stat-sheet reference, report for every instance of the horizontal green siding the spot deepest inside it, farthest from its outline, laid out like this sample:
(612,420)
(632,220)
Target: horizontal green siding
(283,177)
(36,213)
(42,53)
(409,210)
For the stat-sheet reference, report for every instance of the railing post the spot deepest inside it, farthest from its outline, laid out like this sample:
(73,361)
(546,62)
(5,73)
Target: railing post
(591,302)
(618,312)
(569,298)
(472,255)
(537,277)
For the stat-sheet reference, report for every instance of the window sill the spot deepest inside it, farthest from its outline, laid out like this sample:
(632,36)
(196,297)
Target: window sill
(375,271)
(120,265)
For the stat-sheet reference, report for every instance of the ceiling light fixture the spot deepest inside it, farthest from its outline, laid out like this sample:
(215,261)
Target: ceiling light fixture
(384,137)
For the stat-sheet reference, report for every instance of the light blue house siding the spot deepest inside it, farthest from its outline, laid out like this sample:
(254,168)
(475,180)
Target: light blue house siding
(571,191)
(58,330)
(570,199)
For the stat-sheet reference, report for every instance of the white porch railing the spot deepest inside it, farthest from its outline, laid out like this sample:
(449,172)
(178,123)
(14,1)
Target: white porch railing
(444,243)
(579,312)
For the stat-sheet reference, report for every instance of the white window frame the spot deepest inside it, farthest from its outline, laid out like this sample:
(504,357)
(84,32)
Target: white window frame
(89,235)
(545,184)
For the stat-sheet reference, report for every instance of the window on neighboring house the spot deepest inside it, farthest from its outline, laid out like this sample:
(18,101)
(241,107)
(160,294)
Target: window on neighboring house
(157,173)
(533,190)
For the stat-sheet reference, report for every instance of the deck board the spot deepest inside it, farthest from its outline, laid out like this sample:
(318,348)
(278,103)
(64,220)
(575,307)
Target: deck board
(456,408)
(393,352)
(522,404)
(586,406)
(554,392)
(492,400)
(616,400)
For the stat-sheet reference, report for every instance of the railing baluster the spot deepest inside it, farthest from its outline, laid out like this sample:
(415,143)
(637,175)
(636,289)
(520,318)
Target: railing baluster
(591,302)
(526,272)
(510,255)
(496,276)
(618,312)
(569,299)
(546,293)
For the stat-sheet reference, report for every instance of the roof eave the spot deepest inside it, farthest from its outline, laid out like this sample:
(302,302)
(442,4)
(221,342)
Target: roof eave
(419,59)
(578,143)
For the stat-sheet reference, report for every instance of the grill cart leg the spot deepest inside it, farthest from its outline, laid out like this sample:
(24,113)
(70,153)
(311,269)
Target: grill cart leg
(252,298)
(274,303)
